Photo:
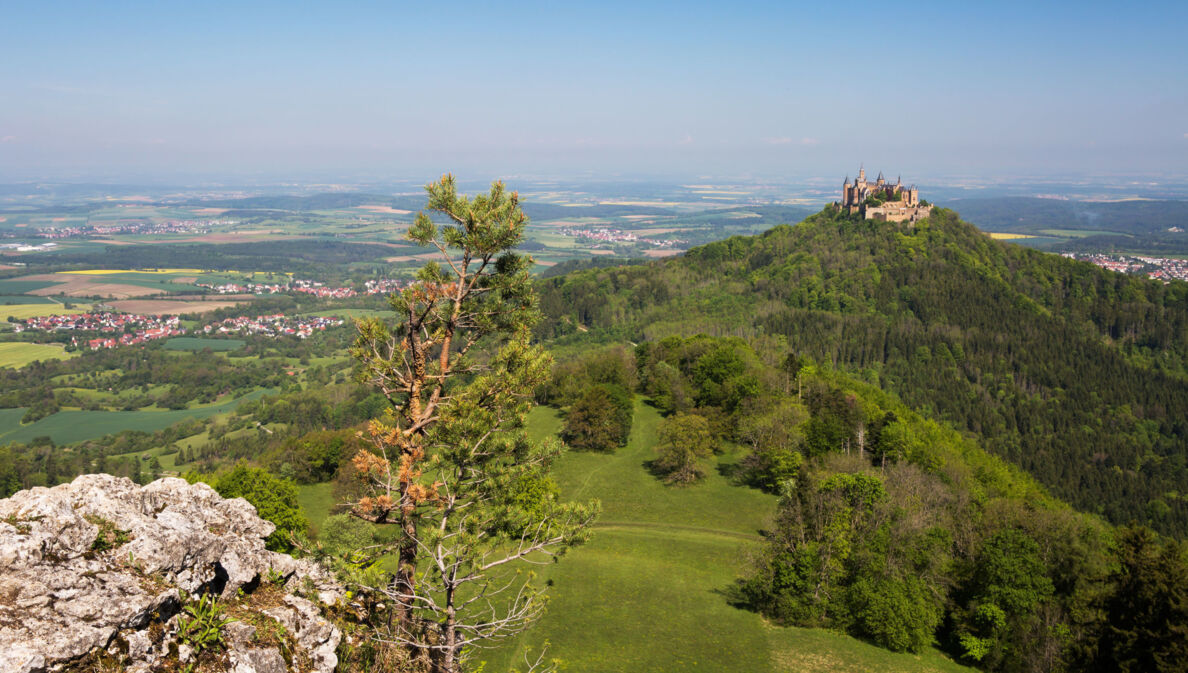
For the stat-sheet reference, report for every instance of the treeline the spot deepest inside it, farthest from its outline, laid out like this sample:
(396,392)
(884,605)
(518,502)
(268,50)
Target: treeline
(1072,372)
(895,528)
(1032,215)
(151,375)
(311,432)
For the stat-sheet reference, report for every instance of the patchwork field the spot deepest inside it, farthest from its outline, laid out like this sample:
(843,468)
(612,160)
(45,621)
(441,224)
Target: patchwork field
(66,427)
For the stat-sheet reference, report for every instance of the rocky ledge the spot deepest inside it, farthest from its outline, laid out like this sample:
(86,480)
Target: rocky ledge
(102,574)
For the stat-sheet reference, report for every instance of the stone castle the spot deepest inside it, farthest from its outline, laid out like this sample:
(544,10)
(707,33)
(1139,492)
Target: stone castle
(882,200)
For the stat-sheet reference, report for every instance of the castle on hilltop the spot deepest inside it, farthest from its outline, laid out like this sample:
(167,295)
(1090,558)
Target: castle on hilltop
(882,200)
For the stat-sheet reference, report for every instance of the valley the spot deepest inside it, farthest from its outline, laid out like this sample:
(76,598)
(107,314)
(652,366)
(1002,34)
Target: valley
(827,356)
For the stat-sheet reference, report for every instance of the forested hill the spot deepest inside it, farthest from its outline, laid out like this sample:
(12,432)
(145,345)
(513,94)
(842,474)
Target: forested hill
(1072,372)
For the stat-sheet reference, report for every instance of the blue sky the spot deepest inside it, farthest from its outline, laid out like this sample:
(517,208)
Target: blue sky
(113,89)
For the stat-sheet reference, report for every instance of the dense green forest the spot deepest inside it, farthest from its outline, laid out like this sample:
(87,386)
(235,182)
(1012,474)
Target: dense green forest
(1075,373)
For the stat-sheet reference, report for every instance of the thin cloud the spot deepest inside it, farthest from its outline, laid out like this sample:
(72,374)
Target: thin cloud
(7,139)
(687,140)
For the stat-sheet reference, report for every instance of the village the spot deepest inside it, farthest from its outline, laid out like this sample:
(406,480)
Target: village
(133,329)
(133,227)
(310,287)
(273,325)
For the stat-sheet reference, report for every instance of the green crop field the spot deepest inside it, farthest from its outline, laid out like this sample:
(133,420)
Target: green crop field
(67,427)
(25,299)
(22,286)
(199,343)
(19,354)
(646,593)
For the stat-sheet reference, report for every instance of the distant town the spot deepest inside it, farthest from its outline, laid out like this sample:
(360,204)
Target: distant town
(273,325)
(310,287)
(131,329)
(125,227)
(1165,269)
(609,235)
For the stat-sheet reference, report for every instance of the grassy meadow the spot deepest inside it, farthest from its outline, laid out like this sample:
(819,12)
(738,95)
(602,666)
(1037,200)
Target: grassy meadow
(646,593)
(37,310)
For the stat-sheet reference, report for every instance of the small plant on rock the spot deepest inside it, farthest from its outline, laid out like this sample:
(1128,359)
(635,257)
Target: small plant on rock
(109,536)
(202,628)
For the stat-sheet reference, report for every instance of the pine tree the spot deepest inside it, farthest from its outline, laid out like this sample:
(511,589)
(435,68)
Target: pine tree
(459,371)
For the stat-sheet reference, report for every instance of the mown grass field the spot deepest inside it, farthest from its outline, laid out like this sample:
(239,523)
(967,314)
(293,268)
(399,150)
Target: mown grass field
(316,501)
(646,593)
(19,354)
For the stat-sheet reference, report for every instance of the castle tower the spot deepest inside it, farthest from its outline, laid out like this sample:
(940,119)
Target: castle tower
(846,192)
(861,175)
(880,181)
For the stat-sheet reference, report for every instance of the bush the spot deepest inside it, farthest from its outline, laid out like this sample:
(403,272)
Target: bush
(275,499)
(600,420)
(685,440)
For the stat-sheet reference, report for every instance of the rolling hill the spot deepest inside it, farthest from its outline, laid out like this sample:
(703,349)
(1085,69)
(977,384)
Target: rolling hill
(1074,373)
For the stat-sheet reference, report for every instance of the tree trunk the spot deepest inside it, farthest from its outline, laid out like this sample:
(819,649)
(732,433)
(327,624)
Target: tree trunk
(449,658)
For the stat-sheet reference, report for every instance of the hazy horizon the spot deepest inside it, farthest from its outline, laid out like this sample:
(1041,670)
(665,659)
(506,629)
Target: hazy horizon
(140,92)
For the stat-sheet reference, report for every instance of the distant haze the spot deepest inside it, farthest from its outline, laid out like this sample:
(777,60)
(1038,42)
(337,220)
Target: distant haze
(111,91)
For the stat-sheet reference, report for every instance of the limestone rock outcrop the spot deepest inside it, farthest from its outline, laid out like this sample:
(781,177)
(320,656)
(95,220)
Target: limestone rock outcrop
(99,570)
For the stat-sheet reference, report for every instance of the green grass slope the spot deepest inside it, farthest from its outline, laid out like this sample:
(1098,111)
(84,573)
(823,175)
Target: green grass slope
(646,593)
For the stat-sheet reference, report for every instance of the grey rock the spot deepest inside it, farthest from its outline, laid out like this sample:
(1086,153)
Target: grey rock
(62,597)
(258,660)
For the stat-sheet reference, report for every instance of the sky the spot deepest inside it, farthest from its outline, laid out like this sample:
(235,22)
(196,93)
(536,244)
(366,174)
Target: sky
(165,90)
